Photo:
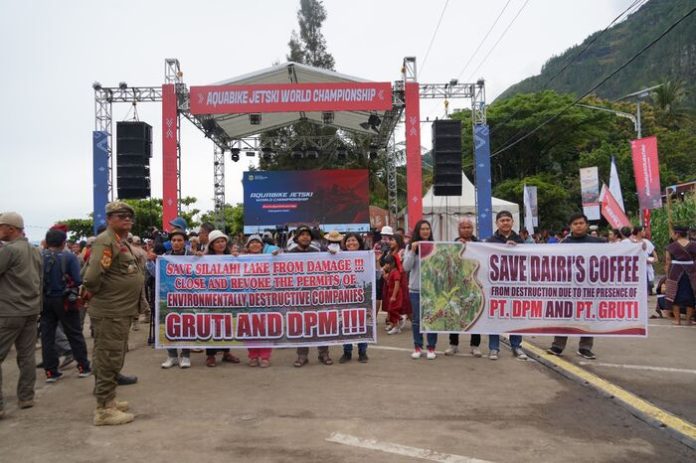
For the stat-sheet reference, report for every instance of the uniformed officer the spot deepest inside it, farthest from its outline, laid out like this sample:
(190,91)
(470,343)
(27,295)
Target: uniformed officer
(113,282)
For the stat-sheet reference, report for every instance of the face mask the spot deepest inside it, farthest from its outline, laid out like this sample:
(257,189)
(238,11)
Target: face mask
(334,247)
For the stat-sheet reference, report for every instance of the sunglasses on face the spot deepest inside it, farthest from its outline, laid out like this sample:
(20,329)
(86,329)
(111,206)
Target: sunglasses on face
(124,216)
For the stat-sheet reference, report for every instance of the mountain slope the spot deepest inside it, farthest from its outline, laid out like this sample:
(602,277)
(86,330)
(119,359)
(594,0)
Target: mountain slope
(672,58)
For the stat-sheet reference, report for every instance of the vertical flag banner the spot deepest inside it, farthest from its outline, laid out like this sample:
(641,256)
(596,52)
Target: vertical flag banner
(100,176)
(170,195)
(534,204)
(482,157)
(615,184)
(414,174)
(528,213)
(611,210)
(647,172)
(589,189)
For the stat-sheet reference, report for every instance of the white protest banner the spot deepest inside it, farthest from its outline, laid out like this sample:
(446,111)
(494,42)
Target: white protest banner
(570,289)
(288,300)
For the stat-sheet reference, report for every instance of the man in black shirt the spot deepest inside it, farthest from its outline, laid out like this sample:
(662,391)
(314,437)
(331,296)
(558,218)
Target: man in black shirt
(506,235)
(579,227)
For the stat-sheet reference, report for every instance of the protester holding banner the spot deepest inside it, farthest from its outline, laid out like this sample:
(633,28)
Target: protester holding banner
(421,232)
(353,242)
(466,235)
(505,234)
(680,266)
(392,297)
(259,356)
(303,243)
(579,226)
(178,239)
(218,246)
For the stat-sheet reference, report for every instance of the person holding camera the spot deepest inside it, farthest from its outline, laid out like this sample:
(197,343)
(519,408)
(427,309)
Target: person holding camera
(60,305)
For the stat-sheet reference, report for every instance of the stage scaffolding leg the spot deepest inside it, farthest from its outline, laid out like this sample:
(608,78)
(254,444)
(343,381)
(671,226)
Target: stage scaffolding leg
(219,186)
(170,156)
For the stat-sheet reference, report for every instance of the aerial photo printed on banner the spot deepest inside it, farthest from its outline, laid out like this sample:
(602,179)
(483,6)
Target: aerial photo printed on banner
(330,199)
(288,300)
(572,289)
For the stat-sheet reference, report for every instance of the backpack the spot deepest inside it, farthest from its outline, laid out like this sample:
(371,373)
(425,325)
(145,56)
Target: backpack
(70,291)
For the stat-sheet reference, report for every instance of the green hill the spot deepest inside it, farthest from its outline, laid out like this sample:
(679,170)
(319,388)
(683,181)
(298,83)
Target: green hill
(672,58)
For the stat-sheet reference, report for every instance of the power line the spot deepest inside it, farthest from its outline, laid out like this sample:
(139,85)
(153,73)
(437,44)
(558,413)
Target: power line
(459,76)
(499,39)
(432,40)
(620,68)
(571,61)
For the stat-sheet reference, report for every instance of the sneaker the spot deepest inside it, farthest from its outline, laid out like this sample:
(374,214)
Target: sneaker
(388,327)
(519,353)
(402,322)
(431,355)
(53,376)
(83,372)
(452,350)
(67,360)
(553,350)
(476,352)
(210,361)
(362,358)
(586,353)
(395,330)
(493,355)
(185,362)
(345,358)
(417,353)
(170,362)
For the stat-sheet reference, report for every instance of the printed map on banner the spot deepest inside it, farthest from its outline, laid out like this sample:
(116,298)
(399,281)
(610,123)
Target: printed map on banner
(567,289)
(289,300)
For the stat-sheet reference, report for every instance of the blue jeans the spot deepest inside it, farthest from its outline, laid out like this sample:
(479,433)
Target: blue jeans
(494,341)
(362,348)
(415,324)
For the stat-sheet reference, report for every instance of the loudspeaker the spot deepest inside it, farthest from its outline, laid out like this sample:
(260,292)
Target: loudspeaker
(447,157)
(133,153)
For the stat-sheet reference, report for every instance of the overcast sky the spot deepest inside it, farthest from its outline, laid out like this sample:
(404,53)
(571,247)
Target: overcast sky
(52,52)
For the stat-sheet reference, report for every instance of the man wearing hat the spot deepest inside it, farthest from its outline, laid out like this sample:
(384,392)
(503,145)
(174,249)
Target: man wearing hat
(113,282)
(303,241)
(20,303)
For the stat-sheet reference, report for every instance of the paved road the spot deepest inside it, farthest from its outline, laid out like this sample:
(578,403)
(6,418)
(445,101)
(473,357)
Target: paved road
(508,410)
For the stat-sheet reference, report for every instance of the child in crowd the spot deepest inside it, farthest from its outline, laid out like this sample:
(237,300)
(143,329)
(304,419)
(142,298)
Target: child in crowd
(392,298)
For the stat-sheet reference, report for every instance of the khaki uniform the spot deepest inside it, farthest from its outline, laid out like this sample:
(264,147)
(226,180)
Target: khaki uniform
(115,279)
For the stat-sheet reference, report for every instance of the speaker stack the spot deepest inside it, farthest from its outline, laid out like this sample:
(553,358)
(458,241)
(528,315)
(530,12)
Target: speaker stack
(447,157)
(133,153)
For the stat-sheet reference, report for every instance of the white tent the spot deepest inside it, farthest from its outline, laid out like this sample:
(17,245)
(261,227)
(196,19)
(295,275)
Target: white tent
(445,212)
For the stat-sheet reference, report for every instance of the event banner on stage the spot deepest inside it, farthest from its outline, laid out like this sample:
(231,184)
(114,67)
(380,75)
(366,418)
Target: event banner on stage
(567,289)
(288,300)
(330,199)
(275,98)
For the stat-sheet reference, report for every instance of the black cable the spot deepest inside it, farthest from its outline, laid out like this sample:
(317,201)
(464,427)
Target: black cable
(459,76)
(572,60)
(604,80)
(432,40)
(499,39)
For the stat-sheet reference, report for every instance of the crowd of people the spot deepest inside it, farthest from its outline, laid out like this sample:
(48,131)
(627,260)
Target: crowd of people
(112,276)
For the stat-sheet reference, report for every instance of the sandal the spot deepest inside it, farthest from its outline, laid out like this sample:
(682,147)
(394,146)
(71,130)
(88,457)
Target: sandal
(301,361)
(325,359)
(253,362)
(263,363)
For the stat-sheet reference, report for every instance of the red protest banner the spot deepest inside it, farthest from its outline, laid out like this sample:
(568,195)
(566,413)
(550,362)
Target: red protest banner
(275,98)
(647,172)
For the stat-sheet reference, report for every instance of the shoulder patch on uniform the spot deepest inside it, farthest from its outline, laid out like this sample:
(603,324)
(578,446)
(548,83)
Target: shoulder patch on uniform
(106,258)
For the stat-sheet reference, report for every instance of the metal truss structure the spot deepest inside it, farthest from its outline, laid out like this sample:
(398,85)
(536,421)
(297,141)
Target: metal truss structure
(104,97)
